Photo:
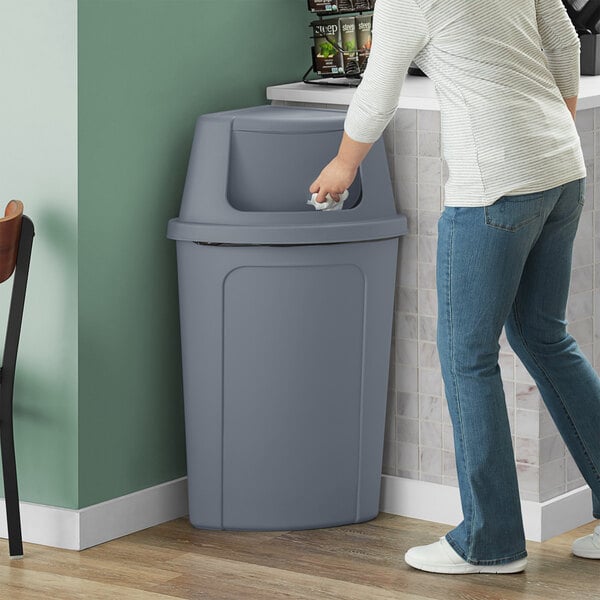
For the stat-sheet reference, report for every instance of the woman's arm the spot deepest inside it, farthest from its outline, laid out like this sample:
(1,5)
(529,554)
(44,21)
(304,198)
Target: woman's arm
(571,105)
(399,32)
(561,46)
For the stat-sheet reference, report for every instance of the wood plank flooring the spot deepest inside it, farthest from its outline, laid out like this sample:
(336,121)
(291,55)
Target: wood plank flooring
(352,562)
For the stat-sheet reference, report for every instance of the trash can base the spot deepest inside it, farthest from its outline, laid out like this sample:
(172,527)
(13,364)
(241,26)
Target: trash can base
(327,525)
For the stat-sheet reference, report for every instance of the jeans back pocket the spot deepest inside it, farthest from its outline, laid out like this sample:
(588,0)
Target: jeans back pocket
(581,194)
(514,212)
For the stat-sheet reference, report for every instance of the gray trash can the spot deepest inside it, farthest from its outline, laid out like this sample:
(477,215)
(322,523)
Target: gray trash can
(286,319)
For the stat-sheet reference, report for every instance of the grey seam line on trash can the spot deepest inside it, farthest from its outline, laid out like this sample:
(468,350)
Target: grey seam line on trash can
(276,245)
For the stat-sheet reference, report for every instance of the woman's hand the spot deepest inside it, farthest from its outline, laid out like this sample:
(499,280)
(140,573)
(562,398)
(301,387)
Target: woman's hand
(339,174)
(336,177)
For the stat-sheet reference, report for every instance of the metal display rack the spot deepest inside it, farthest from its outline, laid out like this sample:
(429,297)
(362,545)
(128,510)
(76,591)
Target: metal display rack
(350,78)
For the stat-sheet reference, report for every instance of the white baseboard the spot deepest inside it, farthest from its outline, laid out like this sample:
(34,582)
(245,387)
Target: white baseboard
(80,529)
(441,503)
(134,512)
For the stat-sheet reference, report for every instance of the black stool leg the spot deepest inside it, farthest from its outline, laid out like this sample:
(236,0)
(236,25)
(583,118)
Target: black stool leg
(7,444)
(11,493)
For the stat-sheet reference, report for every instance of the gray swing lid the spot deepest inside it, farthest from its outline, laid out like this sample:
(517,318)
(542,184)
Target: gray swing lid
(248,177)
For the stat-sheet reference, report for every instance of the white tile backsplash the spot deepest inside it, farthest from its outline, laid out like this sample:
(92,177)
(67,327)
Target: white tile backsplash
(407,350)
(580,305)
(506,361)
(521,373)
(572,470)
(429,143)
(582,330)
(552,476)
(528,424)
(449,464)
(407,300)
(406,143)
(406,194)
(427,328)
(406,378)
(431,461)
(582,279)
(427,222)
(407,405)
(528,396)
(527,450)
(528,478)
(430,408)
(430,197)
(552,448)
(406,168)
(430,382)
(407,430)
(405,119)
(547,426)
(431,433)
(447,434)
(427,302)
(407,458)
(428,356)
(426,277)
(428,120)
(427,249)
(430,170)
(406,329)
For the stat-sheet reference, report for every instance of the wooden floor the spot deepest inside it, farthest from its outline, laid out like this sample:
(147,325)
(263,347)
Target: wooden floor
(354,562)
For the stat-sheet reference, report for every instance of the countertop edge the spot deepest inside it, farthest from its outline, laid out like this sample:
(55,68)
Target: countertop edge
(417,93)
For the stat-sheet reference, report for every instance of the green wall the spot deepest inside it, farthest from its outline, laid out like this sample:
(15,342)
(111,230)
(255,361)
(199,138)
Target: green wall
(38,165)
(146,70)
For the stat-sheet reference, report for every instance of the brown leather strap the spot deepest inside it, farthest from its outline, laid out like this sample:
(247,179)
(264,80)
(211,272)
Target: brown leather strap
(10,232)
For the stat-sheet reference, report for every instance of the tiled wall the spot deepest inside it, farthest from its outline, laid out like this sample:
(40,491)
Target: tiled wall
(418,437)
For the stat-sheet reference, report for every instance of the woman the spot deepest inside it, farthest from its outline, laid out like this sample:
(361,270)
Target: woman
(507,77)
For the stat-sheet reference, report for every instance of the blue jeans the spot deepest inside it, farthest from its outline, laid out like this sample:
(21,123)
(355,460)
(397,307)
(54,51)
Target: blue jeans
(509,264)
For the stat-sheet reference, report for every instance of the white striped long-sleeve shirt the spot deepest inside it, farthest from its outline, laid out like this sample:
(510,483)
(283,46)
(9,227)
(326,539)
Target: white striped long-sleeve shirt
(501,69)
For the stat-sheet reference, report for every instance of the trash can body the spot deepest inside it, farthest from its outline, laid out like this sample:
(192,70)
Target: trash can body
(286,320)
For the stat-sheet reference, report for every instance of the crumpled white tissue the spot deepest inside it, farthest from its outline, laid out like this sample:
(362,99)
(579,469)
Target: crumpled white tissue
(330,203)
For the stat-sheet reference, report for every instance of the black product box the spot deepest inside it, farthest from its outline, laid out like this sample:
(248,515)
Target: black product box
(590,54)
(349,45)
(353,5)
(338,6)
(364,25)
(323,5)
(327,59)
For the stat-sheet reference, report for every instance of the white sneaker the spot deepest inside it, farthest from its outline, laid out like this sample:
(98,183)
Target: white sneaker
(440,557)
(588,546)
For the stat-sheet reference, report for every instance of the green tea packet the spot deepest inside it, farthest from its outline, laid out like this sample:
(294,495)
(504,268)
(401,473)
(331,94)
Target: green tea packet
(327,57)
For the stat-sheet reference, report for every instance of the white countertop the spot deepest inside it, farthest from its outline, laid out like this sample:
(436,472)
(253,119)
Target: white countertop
(417,92)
